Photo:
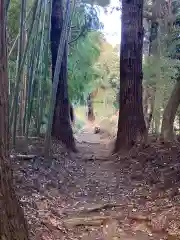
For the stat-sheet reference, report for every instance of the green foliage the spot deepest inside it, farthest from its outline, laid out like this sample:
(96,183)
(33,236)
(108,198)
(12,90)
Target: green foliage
(13,20)
(81,65)
(162,70)
(84,19)
(160,73)
(85,71)
(109,63)
(166,67)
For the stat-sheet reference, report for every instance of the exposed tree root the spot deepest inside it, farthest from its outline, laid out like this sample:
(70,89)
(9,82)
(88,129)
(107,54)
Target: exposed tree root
(23,157)
(85,221)
(99,207)
(101,220)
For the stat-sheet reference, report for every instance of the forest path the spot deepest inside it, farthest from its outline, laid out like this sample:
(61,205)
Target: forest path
(109,205)
(93,195)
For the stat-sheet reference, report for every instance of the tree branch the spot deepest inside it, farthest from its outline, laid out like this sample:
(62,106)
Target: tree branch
(147,15)
(76,38)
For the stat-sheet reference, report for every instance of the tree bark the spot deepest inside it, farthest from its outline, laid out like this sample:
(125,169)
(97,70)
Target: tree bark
(148,104)
(167,133)
(72,117)
(157,120)
(154,51)
(90,113)
(12,223)
(22,43)
(131,124)
(61,128)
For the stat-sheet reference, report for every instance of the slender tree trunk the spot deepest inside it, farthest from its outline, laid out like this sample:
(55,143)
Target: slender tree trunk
(167,133)
(61,128)
(90,113)
(12,223)
(23,83)
(72,117)
(145,104)
(153,126)
(148,105)
(155,52)
(131,124)
(153,47)
(146,24)
(157,120)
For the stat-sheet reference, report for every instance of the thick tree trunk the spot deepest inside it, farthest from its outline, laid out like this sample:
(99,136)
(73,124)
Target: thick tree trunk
(131,125)
(61,128)
(167,133)
(12,223)
(90,113)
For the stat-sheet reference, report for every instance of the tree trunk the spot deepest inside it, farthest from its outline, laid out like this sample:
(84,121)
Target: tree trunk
(153,126)
(72,117)
(90,113)
(12,223)
(157,120)
(148,104)
(22,43)
(131,124)
(154,51)
(61,128)
(146,42)
(167,133)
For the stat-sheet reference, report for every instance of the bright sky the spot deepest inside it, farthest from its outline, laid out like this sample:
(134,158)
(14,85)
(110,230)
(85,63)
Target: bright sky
(112,23)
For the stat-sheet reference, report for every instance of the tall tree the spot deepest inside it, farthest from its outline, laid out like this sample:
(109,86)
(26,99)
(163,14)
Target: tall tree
(61,128)
(131,124)
(90,112)
(167,131)
(12,223)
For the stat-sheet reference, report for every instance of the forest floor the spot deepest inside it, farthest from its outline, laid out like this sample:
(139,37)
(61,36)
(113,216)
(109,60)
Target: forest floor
(93,195)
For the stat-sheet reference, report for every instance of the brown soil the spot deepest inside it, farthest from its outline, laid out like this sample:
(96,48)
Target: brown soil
(93,195)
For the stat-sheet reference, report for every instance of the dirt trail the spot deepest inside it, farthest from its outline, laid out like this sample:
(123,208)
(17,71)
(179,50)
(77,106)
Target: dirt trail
(92,195)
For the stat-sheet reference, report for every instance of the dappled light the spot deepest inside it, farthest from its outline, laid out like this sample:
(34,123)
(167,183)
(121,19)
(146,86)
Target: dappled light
(89,120)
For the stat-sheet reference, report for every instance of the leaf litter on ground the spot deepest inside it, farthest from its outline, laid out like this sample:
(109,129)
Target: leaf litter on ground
(69,197)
